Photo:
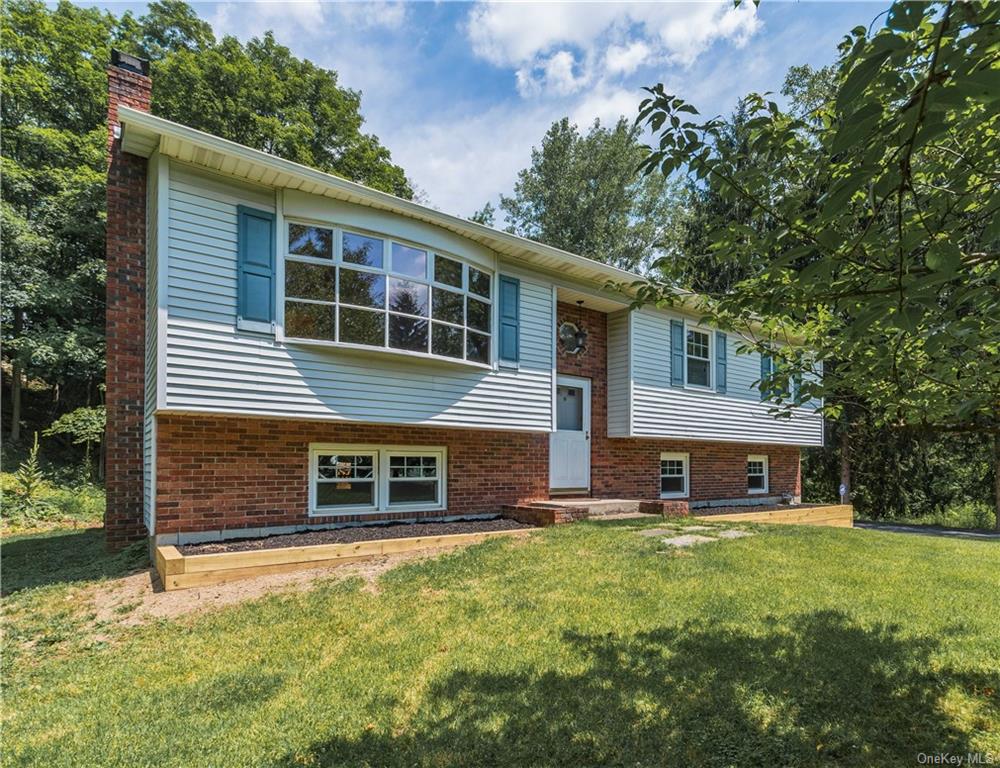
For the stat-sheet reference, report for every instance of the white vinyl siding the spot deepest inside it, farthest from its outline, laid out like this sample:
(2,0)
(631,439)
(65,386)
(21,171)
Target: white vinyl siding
(618,374)
(211,367)
(661,410)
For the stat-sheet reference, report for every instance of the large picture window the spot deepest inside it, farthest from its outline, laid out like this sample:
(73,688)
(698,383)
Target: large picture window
(377,292)
(354,479)
(673,475)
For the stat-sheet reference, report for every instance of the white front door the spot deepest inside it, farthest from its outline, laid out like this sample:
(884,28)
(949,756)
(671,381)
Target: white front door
(569,444)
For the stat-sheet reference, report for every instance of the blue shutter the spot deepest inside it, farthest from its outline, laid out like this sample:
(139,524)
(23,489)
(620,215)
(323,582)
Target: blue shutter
(509,302)
(255,291)
(765,372)
(720,362)
(676,353)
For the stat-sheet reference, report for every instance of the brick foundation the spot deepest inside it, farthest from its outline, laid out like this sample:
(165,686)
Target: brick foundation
(125,321)
(218,473)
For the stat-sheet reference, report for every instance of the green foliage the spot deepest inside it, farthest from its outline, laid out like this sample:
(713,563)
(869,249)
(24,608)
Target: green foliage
(53,110)
(581,194)
(484,215)
(902,473)
(29,501)
(584,645)
(71,502)
(880,209)
(83,426)
(260,95)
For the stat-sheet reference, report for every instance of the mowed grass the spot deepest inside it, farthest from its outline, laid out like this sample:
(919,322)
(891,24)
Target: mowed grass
(585,645)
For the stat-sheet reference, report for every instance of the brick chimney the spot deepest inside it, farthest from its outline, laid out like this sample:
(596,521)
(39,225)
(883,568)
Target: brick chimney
(129,85)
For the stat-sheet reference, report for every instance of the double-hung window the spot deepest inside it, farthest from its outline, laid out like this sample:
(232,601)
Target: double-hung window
(354,479)
(757,474)
(366,290)
(698,352)
(673,475)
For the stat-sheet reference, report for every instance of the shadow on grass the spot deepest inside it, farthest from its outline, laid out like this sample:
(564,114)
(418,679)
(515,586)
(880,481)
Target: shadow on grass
(64,557)
(813,690)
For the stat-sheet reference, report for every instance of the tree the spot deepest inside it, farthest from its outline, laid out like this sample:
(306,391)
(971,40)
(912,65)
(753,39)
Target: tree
(53,110)
(484,215)
(892,272)
(581,193)
(260,95)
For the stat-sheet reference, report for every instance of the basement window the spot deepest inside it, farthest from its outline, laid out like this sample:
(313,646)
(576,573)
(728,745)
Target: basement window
(673,475)
(356,479)
(757,474)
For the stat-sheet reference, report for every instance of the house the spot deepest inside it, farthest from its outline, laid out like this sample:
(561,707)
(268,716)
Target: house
(288,349)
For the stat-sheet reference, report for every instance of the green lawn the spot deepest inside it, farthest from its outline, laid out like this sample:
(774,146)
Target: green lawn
(584,645)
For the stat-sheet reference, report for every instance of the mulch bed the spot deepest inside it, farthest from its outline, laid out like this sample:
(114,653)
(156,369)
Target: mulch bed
(354,534)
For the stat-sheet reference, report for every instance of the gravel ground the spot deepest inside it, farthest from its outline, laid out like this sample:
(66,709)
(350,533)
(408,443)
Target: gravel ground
(351,535)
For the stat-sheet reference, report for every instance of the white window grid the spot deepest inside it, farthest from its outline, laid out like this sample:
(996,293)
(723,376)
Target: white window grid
(675,465)
(469,275)
(383,460)
(757,468)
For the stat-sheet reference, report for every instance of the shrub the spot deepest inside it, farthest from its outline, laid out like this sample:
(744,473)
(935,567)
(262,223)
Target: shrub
(29,500)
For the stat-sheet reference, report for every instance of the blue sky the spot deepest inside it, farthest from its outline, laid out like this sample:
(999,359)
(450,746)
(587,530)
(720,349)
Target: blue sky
(461,91)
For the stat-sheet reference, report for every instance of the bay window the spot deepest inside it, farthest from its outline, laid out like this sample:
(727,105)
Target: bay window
(359,289)
(354,479)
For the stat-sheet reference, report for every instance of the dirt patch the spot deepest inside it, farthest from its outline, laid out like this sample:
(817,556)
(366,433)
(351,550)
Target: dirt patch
(139,598)
(355,534)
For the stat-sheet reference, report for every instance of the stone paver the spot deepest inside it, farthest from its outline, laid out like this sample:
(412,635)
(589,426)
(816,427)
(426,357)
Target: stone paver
(734,534)
(698,527)
(688,541)
(656,531)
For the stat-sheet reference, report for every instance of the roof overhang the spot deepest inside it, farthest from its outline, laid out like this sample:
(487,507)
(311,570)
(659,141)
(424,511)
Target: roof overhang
(143,134)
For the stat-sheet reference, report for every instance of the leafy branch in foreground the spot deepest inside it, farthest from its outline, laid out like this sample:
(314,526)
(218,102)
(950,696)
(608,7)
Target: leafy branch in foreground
(876,221)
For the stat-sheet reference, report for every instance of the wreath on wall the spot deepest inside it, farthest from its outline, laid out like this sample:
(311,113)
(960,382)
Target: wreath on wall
(572,338)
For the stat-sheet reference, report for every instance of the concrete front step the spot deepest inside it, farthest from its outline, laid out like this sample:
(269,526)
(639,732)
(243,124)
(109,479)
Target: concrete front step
(592,507)
(567,510)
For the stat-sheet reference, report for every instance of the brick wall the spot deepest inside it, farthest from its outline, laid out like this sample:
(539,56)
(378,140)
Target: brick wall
(226,472)
(125,321)
(630,467)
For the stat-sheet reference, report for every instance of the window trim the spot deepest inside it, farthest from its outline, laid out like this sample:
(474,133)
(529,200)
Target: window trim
(767,471)
(684,457)
(709,360)
(381,454)
(428,280)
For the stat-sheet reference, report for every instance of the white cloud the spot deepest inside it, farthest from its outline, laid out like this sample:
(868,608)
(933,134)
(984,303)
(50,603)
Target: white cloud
(626,59)
(607,105)
(620,36)
(249,19)
(370,14)
(291,20)
(556,74)
(468,157)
